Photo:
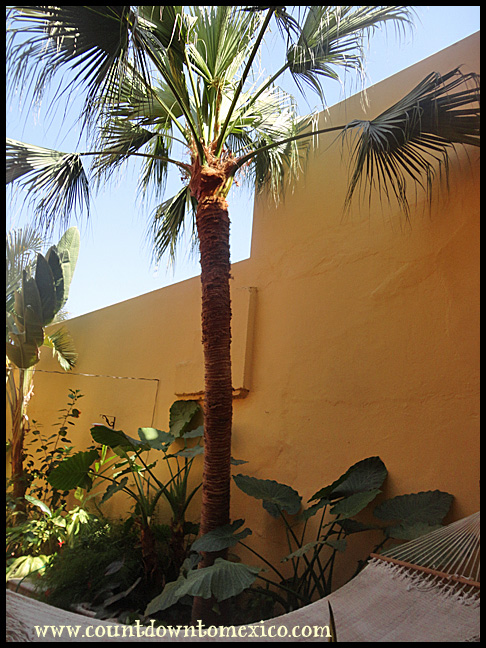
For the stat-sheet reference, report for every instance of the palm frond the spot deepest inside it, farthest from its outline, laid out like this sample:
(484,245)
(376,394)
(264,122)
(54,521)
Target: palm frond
(54,182)
(169,222)
(410,140)
(333,37)
(278,154)
(118,140)
(63,349)
(155,169)
(95,43)
(135,100)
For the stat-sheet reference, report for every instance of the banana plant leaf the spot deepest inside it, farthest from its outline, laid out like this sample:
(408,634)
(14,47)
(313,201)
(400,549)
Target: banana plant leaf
(221,538)
(275,497)
(417,513)
(44,280)
(222,580)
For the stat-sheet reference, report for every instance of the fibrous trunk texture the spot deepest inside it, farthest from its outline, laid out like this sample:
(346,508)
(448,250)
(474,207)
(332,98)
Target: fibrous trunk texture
(213,231)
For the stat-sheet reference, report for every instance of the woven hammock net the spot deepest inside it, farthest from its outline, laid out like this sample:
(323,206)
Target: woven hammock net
(425,590)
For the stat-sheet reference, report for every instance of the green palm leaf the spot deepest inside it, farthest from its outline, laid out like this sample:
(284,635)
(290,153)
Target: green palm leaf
(408,140)
(333,37)
(169,222)
(94,42)
(62,345)
(54,182)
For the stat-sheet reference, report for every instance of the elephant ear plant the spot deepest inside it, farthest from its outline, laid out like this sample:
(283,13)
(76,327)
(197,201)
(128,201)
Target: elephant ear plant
(312,560)
(129,470)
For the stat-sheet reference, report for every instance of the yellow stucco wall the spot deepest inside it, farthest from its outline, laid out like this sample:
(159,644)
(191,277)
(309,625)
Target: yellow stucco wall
(352,336)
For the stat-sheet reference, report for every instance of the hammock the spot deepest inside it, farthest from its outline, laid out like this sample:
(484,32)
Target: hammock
(425,590)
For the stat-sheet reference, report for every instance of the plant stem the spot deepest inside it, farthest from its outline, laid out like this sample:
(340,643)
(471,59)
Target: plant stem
(262,559)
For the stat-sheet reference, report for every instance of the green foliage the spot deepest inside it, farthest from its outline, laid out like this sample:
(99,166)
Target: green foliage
(103,566)
(222,580)
(45,452)
(275,497)
(32,543)
(44,291)
(417,514)
(312,561)
(120,465)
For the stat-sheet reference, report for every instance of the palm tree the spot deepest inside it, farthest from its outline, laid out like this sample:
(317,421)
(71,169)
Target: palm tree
(179,86)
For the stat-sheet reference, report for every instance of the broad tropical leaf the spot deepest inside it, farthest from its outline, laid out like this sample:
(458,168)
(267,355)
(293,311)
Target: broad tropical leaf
(417,513)
(222,580)
(221,538)
(351,505)
(73,471)
(117,439)
(21,247)
(68,251)
(182,413)
(406,142)
(365,475)
(114,488)
(157,439)
(275,497)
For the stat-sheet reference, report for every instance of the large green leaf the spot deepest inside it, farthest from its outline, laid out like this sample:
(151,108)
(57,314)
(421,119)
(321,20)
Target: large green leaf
(182,414)
(417,513)
(352,505)
(365,475)
(276,497)
(117,438)
(222,580)
(44,280)
(52,258)
(68,251)
(157,439)
(23,355)
(221,538)
(189,453)
(73,471)
(114,488)
(25,565)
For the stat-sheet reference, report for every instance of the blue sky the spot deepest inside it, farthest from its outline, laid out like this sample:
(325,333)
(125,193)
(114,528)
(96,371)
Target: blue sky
(115,259)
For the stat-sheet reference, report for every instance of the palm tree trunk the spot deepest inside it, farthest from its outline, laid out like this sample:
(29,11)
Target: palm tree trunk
(213,230)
